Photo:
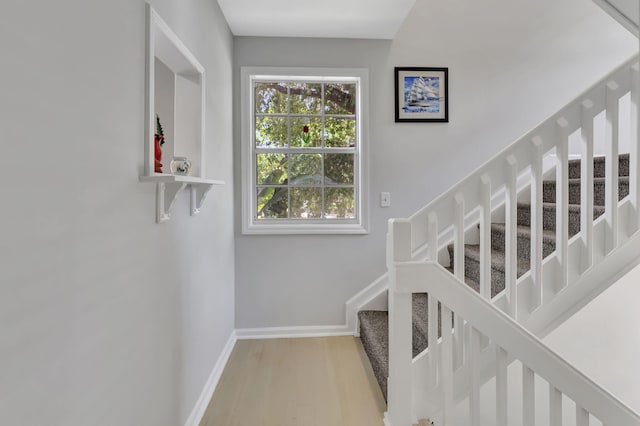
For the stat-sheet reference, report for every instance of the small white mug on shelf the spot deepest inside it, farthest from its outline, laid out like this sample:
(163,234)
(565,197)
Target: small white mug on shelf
(180,166)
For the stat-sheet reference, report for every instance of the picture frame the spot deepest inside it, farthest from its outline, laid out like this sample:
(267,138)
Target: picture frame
(421,95)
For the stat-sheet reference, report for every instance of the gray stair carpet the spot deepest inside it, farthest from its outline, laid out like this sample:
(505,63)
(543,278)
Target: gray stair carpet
(374,331)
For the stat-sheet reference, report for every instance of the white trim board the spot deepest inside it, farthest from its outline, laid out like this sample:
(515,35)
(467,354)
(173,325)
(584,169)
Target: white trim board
(365,296)
(212,382)
(615,13)
(293,332)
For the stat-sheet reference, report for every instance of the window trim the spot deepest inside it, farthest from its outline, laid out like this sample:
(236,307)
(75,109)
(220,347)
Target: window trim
(295,226)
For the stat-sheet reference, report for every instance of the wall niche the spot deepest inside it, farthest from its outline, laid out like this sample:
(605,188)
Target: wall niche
(175,91)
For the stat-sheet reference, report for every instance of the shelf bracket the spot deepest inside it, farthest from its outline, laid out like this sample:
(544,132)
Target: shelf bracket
(199,193)
(166,194)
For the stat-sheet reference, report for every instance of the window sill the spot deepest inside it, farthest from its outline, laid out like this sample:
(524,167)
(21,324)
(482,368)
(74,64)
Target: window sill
(304,229)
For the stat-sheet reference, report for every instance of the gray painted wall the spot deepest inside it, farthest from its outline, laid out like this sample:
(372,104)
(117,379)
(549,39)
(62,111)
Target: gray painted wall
(105,317)
(511,64)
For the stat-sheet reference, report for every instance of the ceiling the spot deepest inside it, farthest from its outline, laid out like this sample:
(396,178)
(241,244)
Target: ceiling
(377,19)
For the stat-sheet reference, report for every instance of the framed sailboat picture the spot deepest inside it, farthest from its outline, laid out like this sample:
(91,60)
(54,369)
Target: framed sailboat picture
(422,94)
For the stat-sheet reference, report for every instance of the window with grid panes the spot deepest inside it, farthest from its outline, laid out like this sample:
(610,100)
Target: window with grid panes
(305,152)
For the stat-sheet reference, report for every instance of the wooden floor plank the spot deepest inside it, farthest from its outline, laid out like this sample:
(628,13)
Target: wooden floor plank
(290,382)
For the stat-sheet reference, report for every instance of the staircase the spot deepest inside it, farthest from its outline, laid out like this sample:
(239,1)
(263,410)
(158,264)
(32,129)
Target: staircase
(505,256)
(374,331)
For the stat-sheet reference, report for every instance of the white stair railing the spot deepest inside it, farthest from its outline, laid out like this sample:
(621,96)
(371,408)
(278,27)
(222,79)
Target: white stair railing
(507,341)
(446,220)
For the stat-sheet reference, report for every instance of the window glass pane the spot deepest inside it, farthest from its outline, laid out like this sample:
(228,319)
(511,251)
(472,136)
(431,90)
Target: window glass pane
(340,132)
(338,168)
(272,203)
(271,132)
(308,138)
(271,98)
(305,169)
(271,169)
(340,98)
(306,98)
(339,203)
(306,203)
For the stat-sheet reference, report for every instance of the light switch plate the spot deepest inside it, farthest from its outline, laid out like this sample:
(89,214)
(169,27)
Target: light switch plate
(385,199)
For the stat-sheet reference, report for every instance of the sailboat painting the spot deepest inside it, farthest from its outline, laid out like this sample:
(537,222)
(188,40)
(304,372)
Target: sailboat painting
(421,94)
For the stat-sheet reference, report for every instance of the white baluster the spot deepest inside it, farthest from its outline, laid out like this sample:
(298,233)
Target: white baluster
(528,397)
(536,222)
(458,244)
(432,337)
(511,236)
(586,183)
(501,387)
(474,392)
(400,329)
(555,406)
(582,416)
(459,273)
(562,202)
(446,367)
(611,173)
(432,237)
(432,334)
(634,153)
(485,238)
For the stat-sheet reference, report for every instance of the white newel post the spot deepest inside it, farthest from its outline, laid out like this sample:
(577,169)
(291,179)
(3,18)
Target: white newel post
(399,386)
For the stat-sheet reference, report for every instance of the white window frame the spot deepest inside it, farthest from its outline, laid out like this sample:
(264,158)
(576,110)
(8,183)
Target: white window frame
(250,223)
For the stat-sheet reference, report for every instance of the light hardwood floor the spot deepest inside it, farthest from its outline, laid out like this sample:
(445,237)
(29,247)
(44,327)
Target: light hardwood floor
(285,382)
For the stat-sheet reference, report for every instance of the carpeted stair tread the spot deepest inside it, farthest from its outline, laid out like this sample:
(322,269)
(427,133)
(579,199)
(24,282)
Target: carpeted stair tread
(523,240)
(374,334)
(472,252)
(419,319)
(524,231)
(468,280)
(599,166)
(549,216)
(374,326)
(549,190)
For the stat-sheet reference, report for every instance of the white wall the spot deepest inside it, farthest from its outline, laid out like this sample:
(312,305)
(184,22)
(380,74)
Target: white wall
(511,64)
(603,339)
(105,317)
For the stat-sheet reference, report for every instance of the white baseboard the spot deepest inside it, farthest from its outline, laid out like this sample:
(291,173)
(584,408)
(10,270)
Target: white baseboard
(291,332)
(207,392)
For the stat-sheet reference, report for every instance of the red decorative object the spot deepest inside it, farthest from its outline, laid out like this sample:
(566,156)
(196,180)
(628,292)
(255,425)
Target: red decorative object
(157,154)
(305,134)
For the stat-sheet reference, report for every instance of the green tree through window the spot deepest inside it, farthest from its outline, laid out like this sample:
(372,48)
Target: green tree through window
(305,144)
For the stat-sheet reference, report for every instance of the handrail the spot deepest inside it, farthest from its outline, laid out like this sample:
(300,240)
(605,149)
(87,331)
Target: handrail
(414,277)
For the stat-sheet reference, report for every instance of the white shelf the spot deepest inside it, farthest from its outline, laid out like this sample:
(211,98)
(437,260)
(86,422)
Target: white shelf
(169,186)
(167,178)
